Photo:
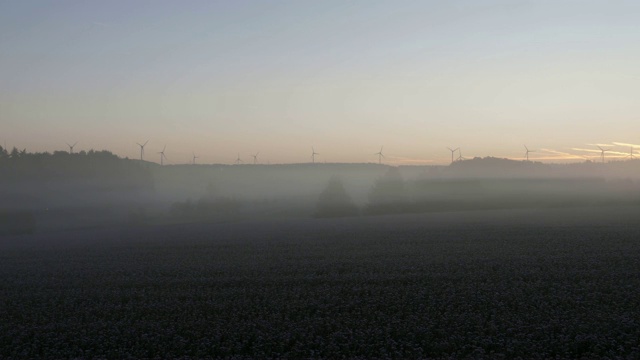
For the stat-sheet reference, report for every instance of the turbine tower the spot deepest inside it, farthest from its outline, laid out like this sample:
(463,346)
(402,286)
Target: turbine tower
(194,158)
(452,152)
(238,160)
(313,155)
(527,152)
(142,149)
(602,151)
(162,156)
(71,147)
(380,155)
(255,158)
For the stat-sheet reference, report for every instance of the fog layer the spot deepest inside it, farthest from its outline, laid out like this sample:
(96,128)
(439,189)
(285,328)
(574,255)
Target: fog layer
(42,192)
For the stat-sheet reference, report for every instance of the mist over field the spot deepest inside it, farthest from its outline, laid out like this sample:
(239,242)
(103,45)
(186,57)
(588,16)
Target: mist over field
(63,191)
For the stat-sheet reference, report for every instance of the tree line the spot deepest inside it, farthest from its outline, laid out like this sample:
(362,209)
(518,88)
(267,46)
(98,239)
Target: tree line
(21,165)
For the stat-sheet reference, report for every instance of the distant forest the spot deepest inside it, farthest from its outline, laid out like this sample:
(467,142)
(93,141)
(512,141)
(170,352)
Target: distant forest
(20,165)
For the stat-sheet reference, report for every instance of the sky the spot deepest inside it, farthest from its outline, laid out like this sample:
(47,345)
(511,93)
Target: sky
(223,79)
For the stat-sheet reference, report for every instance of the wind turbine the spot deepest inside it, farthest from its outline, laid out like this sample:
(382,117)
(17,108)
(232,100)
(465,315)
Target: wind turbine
(162,155)
(238,160)
(380,155)
(71,147)
(452,152)
(631,152)
(527,152)
(313,155)
(194,158)
(602,151)
(255,158)
(460,157)
(142,149)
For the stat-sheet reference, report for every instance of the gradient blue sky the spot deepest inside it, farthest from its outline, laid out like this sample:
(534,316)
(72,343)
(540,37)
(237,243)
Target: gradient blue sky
(220,78)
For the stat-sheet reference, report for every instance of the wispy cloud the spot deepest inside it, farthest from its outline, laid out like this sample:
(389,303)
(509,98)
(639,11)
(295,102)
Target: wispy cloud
(558,155)
(587,150)
(608,153)
(602,145)
(626,144)
(408,161)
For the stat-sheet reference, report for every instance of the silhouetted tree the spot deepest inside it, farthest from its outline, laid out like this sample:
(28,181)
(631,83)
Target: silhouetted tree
(388,193)
(334,201)
(212,190)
